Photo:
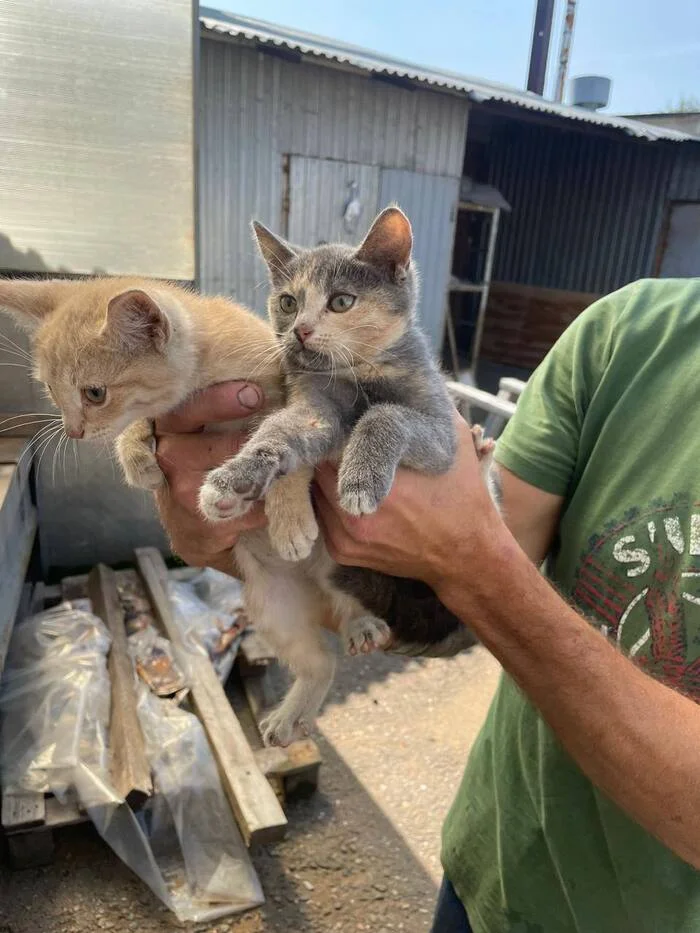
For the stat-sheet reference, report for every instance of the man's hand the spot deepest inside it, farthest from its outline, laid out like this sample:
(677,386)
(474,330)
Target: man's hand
(420,526)
(185,455)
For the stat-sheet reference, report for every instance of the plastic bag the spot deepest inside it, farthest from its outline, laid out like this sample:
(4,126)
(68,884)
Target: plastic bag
(208,609)
(54,714)
(54,701)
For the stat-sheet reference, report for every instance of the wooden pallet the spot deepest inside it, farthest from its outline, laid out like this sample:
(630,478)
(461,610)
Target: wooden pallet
(29,821)
(232,723)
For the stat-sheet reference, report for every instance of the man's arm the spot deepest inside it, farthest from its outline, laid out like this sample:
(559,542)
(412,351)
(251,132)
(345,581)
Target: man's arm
(531,514)
(635,738)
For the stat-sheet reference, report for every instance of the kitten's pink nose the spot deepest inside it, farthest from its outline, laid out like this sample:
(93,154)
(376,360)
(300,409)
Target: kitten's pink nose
(75,432)
(303,332)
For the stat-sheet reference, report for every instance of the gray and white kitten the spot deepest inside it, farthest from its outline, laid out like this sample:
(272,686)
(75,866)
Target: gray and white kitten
(362,388)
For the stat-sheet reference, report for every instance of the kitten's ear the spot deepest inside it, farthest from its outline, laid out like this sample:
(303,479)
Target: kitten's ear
(138,321)
(388,243)
(277,253)
(30,302)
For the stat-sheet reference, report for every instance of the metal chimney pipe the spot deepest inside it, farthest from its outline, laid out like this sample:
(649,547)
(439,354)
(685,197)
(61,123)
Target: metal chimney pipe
(565,49)
(539,50)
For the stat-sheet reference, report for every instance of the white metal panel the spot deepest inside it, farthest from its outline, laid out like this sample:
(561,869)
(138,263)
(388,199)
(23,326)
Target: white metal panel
(240,167)
(681,257)
(319,190)
(430,202)
(97,137)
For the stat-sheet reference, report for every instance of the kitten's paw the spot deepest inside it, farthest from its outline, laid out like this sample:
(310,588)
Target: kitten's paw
(218,501)
(365,634)
(280,729)
(140,467)
(293,533)
(230,490)
(483,445)
(362,493)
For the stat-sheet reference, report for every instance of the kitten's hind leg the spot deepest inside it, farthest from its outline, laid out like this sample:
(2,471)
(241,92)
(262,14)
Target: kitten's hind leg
(285,606)
(360,631)
(136,450)
(290,514)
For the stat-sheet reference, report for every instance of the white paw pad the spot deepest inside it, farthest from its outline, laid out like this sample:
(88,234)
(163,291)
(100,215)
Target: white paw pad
(217,501)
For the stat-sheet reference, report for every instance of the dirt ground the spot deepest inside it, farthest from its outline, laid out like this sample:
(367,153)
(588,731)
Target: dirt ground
(361,854)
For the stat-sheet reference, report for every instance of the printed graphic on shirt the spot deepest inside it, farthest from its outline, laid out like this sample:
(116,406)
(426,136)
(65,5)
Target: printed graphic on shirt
(641,579)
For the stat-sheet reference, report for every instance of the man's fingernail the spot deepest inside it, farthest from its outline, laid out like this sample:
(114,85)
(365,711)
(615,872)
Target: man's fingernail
(249,397)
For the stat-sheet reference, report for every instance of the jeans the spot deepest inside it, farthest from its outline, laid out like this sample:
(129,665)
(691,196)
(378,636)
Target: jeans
(450,915)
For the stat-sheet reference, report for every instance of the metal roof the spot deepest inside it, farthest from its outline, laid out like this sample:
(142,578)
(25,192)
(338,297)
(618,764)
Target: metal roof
(243,27)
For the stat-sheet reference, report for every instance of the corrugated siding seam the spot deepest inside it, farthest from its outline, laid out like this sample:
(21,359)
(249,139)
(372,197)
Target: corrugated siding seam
(586,210)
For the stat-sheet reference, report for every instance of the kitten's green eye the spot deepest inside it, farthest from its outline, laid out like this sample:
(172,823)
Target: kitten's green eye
(341,302)
(288,303)
(95,394)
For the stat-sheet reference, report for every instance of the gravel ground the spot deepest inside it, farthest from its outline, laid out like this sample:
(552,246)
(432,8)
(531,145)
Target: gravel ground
(361,854)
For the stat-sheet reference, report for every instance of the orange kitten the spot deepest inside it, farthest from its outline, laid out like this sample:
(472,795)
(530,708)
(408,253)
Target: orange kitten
(115,354)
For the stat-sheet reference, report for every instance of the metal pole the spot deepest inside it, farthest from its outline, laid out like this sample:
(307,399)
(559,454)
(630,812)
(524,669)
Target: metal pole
(565,49)
(539,50)
(479,332)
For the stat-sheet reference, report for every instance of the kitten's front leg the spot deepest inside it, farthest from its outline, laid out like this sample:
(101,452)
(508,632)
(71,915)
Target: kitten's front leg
(291,521)
(136,451)
(384,437)
(285,441)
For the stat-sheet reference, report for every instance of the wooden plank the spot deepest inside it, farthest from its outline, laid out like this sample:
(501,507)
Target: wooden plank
(270,759)
(74,587)
(60,814)
(20,811)
(257,810)
(129,767)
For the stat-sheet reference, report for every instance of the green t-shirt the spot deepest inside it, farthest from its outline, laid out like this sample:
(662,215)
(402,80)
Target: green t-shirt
(610,421)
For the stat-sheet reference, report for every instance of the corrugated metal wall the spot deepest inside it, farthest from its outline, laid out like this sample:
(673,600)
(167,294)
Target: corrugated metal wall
(587,209)
(430,202)
(256,108)
(318,192)
(685,179)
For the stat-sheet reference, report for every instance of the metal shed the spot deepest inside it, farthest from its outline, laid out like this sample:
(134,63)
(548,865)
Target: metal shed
(282,140)
(289,120)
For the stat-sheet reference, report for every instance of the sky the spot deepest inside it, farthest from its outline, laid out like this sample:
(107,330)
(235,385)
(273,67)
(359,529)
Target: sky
(649,48)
